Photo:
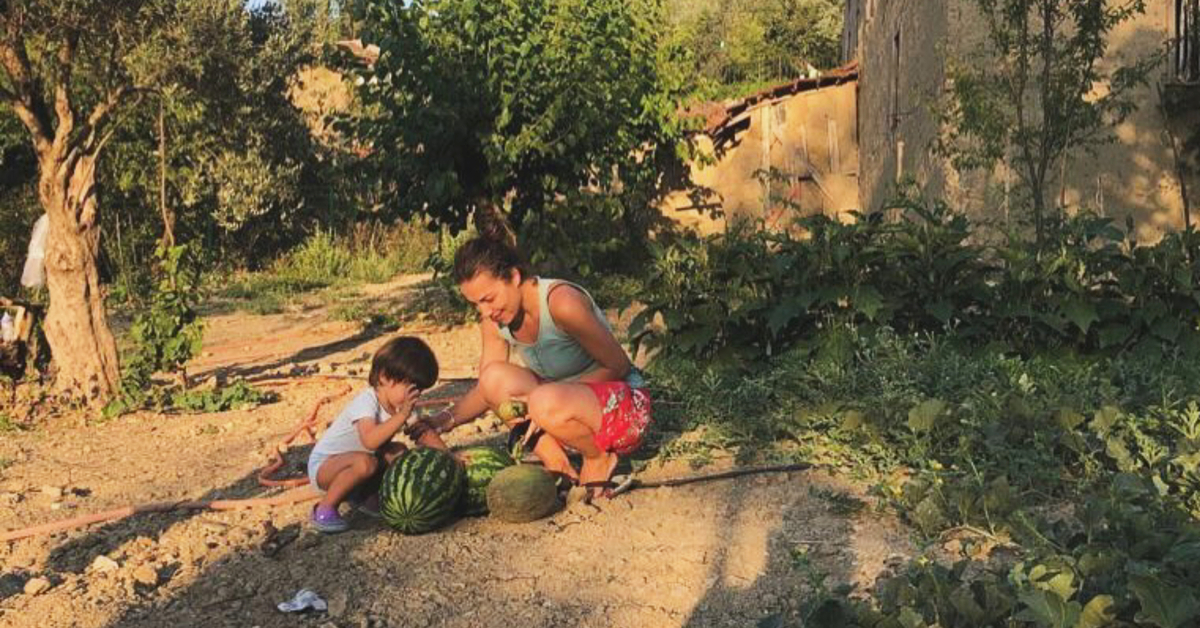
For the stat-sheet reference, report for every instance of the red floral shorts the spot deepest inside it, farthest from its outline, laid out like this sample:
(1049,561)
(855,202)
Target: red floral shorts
(624,415)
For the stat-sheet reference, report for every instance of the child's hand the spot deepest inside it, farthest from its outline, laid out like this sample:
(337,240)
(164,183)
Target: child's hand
(405,407)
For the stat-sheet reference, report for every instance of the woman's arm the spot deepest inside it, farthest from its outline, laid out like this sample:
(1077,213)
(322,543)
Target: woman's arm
(473,404)
(573,313)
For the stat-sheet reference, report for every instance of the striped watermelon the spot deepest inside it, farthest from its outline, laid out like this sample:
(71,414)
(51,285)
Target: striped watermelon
(420,490)
(482,464)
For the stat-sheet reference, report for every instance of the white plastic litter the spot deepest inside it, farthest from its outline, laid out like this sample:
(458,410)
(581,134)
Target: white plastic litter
(303,600)
(34,274)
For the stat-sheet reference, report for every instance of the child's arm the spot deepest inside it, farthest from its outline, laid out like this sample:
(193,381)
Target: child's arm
(373,435)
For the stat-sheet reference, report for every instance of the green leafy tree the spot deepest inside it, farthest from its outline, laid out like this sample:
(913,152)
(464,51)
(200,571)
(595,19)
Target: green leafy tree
(74,72)
(1030,91)
(482,104)
(241,195)
(734,45)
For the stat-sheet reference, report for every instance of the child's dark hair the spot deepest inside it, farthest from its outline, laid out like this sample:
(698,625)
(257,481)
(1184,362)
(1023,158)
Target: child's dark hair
(407,359)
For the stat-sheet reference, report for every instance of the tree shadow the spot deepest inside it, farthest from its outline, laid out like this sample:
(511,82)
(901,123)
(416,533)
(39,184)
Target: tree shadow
(307,354)
(811,549)
(77,554)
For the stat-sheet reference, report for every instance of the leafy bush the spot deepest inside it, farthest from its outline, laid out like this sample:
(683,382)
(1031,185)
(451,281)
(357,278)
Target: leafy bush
(740,297)
(235,396)
(369,252)
(168,334)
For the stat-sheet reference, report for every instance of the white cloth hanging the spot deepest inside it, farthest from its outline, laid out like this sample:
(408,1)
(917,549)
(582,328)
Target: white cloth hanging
(34,275)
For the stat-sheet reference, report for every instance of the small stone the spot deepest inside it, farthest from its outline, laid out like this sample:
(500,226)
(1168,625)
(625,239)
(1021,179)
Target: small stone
(11,584)
(53,492)
(146,575)
(37,586)
(328,624)
(56,506)
(105,564)
(337,604)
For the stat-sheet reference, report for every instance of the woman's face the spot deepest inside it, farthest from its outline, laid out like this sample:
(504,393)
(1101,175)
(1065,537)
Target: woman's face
(497,299)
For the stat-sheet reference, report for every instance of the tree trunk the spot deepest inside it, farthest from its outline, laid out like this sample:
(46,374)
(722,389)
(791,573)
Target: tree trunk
(83,348)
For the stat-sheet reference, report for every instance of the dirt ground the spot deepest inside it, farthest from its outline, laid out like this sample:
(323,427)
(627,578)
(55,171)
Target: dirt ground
(708,554)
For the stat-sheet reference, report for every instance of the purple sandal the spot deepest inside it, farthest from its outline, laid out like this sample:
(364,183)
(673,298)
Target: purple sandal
(328,520)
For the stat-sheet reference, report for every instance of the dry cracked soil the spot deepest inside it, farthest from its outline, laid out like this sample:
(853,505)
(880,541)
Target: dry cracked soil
(707,554)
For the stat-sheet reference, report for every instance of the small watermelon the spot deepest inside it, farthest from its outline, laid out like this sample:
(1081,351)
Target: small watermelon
(521,493)
(483,463)
(420,490)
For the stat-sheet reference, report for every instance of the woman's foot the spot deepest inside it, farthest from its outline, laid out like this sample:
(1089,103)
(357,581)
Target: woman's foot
(596,475)
(326,519)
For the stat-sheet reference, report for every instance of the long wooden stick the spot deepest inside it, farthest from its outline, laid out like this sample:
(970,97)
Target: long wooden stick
(723,475)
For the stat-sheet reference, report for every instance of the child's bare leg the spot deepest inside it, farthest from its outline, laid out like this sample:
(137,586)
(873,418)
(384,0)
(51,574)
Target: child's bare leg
(341,473)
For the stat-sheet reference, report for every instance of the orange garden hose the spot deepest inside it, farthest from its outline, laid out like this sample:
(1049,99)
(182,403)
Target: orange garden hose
(300,492)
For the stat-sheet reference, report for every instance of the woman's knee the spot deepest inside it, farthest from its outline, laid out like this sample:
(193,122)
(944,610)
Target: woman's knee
(549,405)
(501,380)
(496,378)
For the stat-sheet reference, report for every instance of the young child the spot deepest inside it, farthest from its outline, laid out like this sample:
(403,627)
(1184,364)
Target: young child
(358,442)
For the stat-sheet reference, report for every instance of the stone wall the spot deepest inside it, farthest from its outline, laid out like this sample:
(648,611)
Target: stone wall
(782,158)
(903,47)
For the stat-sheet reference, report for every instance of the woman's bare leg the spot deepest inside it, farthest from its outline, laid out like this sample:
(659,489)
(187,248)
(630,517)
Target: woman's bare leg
(572,414)
(500,382)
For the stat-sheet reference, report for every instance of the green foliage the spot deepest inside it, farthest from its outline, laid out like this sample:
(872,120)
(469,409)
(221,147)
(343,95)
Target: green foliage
(368,253)
(168,334)
(8,425)
(740,297)
(235,396)
(165,335)
(513,104)
(730,47)
(1084,468)
(242,196)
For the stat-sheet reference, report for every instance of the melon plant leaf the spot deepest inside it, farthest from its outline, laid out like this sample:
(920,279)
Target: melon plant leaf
(925,415)
(1081,313)
(1047,609)
(941,310)
(1163,605)
(964,602)
(1098,612)
(1105,419)
(1114,334)
(787,311)
(868,301)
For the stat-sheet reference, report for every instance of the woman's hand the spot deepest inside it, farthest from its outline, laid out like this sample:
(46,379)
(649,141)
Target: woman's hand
(441,422)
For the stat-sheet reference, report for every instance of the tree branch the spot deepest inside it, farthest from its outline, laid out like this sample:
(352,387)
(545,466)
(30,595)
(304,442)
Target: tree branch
(22,95)
(62,90)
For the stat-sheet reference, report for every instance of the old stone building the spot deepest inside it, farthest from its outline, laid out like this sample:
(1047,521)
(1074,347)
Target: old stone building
(1150,172)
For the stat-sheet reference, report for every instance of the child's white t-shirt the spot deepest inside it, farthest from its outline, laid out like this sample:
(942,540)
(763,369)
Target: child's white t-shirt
(342,435)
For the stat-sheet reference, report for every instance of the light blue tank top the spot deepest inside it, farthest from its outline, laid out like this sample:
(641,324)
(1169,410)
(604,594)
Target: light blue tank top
(556,355)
